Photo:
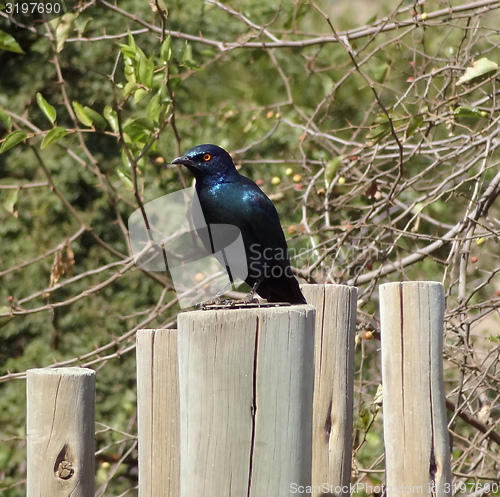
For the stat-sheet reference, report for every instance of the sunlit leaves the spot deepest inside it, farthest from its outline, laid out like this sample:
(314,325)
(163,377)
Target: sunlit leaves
(12,140)
(145,70)
(46,108)
(154,108)
(468,111)
(332,167)
(111,117)
(480,69)
(63,29)
(125,177)
(166,50)
(53,135)
(81,114)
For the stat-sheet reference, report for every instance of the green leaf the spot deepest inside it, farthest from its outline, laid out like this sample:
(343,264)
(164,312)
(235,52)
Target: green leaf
(81,115)
(112,118)
(481,68)
(381,119)
(137,134)
(379,132)
(166,50)
(129,70)
(11,200)
(146,71)
(53,135)
(165,108)
(8,42)
(139,95)
(468,111)
(131,43)
(81,25)
(125,178)
(128,53)
(97,119)
(332,167)
(12,140)
(6,119)
(129,88)
(63,29)
(139,54)
(46,108)
(54,23)
(139,123)
(413,125)
(187,59)
(154,108)
(175,82)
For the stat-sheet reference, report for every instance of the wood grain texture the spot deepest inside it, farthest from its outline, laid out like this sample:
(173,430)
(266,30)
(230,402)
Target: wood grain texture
(415,426)
(246,388)
(158,413)
(333,385)
(60,432)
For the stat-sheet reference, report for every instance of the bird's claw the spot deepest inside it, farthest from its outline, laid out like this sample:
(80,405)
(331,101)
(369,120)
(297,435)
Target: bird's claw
(217,301)
(249,299)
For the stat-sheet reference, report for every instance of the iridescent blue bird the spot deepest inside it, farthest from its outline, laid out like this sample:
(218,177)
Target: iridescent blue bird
(227,197)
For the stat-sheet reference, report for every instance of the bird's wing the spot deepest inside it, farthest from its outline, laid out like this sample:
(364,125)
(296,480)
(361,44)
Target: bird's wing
(261,218)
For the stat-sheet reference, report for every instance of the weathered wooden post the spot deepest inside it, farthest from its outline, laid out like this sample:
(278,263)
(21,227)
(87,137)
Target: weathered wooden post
(417,449)
(245,404)
(333,386)
(60,432)
(158,413)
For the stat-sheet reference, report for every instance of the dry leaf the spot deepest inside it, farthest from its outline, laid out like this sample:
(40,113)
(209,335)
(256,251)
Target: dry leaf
(58,267)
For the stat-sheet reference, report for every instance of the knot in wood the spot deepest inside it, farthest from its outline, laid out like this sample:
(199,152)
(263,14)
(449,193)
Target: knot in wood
(65,470)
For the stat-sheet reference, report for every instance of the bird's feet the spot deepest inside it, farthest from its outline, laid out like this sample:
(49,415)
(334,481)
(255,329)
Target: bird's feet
(217,301)
(250,298)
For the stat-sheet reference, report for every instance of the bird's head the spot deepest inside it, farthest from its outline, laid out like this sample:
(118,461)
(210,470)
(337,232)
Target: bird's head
(207,161)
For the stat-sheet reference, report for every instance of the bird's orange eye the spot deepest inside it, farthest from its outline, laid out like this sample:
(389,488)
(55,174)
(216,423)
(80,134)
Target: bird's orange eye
(207,157)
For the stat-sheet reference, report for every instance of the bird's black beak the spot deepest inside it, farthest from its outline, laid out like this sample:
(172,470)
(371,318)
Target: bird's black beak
(185,161)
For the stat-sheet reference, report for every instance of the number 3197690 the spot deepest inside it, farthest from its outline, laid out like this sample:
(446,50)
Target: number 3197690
(32,8)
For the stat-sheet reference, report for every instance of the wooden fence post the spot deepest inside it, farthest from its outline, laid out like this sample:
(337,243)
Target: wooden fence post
(333,386)
(246,386)
(415,428)
(60,432)
(158,413)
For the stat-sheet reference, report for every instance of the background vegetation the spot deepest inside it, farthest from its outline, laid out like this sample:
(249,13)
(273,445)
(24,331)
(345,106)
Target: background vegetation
(372,125)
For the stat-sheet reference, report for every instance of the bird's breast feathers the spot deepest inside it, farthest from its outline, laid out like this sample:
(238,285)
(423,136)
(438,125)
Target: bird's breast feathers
(234,204)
